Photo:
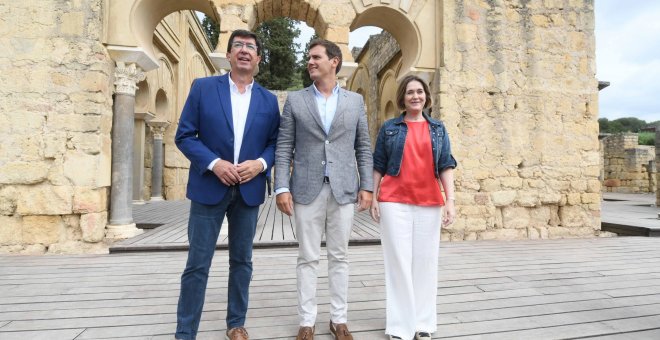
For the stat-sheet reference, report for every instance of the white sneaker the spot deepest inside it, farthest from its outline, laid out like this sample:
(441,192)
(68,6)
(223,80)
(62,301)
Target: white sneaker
(422,336)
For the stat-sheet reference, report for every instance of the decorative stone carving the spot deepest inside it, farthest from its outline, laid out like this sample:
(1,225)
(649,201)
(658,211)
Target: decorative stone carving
(127,77)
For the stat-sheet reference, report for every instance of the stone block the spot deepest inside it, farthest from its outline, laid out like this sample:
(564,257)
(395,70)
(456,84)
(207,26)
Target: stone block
(33,249)
(74,122)
(550,198)
(591,198)
(503,234)
(42,229)
(87,142)
(340,14)
(78,247)
(23,172)
(8,195)
(54,144)
(72,225)
(573,198)
(572,216)
(81,168)
(11,230)
(527,198)
(45,199)
(503,198)
(89,199)
(515,217)
(72,23)
(93,226)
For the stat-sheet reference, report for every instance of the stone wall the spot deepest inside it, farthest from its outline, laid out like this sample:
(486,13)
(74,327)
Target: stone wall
(518,93)
(56,113)
(626,164)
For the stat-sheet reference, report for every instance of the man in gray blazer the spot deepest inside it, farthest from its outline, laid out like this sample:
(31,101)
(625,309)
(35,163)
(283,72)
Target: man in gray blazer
(323,165)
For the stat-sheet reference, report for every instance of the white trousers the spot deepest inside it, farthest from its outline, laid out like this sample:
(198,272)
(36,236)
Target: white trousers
(410,236)
(324,214)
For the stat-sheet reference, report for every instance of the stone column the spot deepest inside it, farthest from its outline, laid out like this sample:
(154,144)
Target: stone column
(121,223)
(138,154)
(157,129)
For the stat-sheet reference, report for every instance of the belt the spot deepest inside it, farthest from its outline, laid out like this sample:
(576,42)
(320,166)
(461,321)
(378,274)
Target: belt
(326,179)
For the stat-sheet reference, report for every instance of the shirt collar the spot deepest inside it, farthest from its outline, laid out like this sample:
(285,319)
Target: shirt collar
(335,90)
(234,87)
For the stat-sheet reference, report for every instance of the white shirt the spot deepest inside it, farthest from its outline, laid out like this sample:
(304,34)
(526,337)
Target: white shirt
(240,104)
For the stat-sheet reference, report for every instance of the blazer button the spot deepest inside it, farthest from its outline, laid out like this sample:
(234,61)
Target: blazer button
(327,142)
(322,162)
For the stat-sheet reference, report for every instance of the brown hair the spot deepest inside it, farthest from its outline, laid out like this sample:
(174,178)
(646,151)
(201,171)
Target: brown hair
(331,50)
(401,91)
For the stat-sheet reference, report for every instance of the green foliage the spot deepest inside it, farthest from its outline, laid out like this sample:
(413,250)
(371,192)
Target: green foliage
(628,124)
(646,138)
(277,70)
(212,30)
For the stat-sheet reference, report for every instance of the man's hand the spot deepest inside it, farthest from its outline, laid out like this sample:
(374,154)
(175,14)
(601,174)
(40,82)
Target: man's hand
(364,200)
(285,203)
(226,172)
(248,169)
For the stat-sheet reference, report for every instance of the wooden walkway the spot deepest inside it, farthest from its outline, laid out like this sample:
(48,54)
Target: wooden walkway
(607,288)
(166,224)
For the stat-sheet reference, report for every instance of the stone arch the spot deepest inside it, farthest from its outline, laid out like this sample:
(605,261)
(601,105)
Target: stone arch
(142,96)
(400,19)
(134,23)
(386,94)
(162,106)
(196,67)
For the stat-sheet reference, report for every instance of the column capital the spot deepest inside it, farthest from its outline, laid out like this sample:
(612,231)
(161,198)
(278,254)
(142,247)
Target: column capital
(158,128)
(127,77)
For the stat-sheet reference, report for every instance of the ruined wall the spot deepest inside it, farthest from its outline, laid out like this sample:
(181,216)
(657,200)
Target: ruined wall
(56,113)
(379,56)
(519,96)
(626,164)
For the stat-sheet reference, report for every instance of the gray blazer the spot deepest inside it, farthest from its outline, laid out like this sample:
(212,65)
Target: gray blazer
(346,149)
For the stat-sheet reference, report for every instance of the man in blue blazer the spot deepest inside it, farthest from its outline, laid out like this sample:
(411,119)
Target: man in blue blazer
(228,130)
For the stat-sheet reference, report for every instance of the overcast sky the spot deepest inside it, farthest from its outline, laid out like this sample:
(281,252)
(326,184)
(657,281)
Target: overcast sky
(627,55)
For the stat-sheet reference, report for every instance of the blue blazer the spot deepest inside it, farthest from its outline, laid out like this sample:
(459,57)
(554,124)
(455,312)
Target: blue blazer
(206,132)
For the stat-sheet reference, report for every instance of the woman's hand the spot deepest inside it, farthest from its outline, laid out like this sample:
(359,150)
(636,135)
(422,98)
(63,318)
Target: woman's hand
(375,211)
(448,213)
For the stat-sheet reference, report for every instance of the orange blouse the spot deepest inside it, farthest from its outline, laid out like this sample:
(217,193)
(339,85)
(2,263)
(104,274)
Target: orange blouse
(416,183)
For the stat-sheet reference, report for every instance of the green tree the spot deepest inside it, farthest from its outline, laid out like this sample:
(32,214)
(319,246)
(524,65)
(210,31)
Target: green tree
(277,70)
(212,30)
(603,125)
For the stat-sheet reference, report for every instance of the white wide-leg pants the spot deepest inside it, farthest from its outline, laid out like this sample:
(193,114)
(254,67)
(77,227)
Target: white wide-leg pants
(324,214)
(410,236)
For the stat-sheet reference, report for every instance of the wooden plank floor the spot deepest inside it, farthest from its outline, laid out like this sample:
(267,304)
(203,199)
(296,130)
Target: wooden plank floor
(273,227)
(607,288)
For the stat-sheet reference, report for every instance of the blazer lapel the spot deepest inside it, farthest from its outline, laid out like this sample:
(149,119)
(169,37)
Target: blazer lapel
(341,107)
(252,108)
(310,100)
(225,99)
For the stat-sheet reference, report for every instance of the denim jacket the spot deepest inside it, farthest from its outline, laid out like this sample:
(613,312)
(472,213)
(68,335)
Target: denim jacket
(392,137)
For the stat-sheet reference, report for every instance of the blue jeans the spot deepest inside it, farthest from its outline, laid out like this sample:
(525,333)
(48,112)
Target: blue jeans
(203,230)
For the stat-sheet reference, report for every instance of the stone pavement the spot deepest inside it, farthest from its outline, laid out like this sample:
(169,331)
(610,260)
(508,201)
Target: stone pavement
(630,214)
(604,288)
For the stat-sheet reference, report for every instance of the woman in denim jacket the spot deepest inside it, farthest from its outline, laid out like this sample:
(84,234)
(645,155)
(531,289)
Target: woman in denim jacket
(413,159)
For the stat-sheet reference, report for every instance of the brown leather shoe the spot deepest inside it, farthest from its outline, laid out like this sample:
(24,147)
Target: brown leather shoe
(305,333)
(237,333)
(340,331)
